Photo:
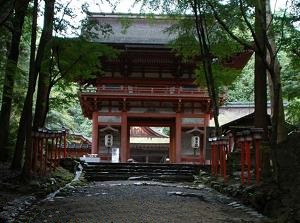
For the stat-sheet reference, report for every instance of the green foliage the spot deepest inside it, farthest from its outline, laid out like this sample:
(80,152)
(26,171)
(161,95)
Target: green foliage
(90,28)
(224,76)
(221,47)
(4,39)
(242,89)
(20,77)
(166,131)
(77,59)
(65,110)
(293,111)
(125,24)
(290,77)
(185,45)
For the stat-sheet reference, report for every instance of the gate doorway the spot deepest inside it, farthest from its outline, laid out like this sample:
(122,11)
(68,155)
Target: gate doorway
(149,144)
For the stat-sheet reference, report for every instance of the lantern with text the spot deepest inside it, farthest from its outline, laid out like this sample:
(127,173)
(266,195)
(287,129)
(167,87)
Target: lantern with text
(195,142)
(109,140)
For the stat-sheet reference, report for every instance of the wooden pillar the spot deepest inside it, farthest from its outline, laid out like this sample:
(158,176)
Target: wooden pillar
(172,146)
(124,137)
(95,134)
(201,148)
(204,143)
(128,143)
(178,137)
(65,144)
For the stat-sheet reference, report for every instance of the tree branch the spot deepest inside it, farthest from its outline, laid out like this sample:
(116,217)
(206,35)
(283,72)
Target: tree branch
(258,48)
(61,72)
(226,28)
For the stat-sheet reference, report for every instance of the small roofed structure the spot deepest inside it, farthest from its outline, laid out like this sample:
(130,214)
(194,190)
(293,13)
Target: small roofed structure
(244,122)
(147,144)
(78,145)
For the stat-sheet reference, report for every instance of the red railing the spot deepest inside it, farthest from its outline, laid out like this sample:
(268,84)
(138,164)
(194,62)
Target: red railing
(48,148)
(146,91)
(248,144)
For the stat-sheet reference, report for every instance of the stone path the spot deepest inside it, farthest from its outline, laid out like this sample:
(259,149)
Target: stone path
(139,201)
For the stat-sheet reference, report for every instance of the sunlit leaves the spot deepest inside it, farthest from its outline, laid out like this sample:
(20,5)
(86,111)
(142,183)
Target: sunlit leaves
(293,111)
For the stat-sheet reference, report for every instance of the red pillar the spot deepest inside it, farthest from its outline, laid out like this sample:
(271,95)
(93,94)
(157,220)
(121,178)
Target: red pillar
(65,143)
(202,159)
(178,137)
(128,142)
(214,164)
(257,134)
(257,160)
(95,134)
(248,160)
(242,161)
(46,152)
(124,137)
(172,144)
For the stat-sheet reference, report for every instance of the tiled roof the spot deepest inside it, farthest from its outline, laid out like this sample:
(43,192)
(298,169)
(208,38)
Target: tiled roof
(146,132)
(140,30)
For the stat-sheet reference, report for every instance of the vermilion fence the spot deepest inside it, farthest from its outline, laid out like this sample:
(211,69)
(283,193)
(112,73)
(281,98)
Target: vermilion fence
(245,144)
(48,148)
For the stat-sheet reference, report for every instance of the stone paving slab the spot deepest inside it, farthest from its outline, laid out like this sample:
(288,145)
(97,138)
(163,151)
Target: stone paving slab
(140,201)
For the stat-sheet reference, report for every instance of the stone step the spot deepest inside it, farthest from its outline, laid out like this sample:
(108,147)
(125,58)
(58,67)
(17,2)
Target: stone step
(115,176)
(142,165)
(151,171)
(138,173)
(140,169)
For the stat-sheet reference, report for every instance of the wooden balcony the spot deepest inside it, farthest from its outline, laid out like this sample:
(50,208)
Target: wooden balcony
(145,92)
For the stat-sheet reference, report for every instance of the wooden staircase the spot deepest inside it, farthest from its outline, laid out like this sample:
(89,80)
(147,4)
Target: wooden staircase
(140,171)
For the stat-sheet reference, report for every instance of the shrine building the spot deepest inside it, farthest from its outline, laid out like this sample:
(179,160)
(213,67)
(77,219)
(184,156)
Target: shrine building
(147,86)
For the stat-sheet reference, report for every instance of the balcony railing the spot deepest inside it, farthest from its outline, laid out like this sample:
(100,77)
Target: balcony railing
(145,91)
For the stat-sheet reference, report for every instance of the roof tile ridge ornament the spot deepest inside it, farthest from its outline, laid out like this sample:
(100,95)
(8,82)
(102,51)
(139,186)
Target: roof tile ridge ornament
(109,128)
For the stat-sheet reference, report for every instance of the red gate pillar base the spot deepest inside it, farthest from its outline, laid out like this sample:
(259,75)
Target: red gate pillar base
(124,137)
(95,135)
(178,137)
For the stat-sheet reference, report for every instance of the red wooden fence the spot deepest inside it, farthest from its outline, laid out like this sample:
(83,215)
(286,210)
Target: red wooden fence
(48,148)
(247,142)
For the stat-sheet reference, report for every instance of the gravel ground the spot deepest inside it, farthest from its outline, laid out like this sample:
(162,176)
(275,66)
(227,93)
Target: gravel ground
(127,201)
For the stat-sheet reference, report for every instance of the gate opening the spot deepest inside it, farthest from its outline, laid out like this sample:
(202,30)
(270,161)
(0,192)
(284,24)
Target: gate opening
(149,144)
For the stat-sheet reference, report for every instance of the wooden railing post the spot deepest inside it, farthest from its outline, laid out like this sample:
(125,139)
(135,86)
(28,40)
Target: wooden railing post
(241,141)
(247,143)
(224,142)
(46,152)
(257,134)
(65,142)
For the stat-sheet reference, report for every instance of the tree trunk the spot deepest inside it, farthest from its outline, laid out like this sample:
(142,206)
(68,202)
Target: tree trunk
(260,77)
(279,133)
(6,9)
(260,83)
(9,79)
(42,101)
(206,61)
(25,124)
(18,154)
(45,39)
